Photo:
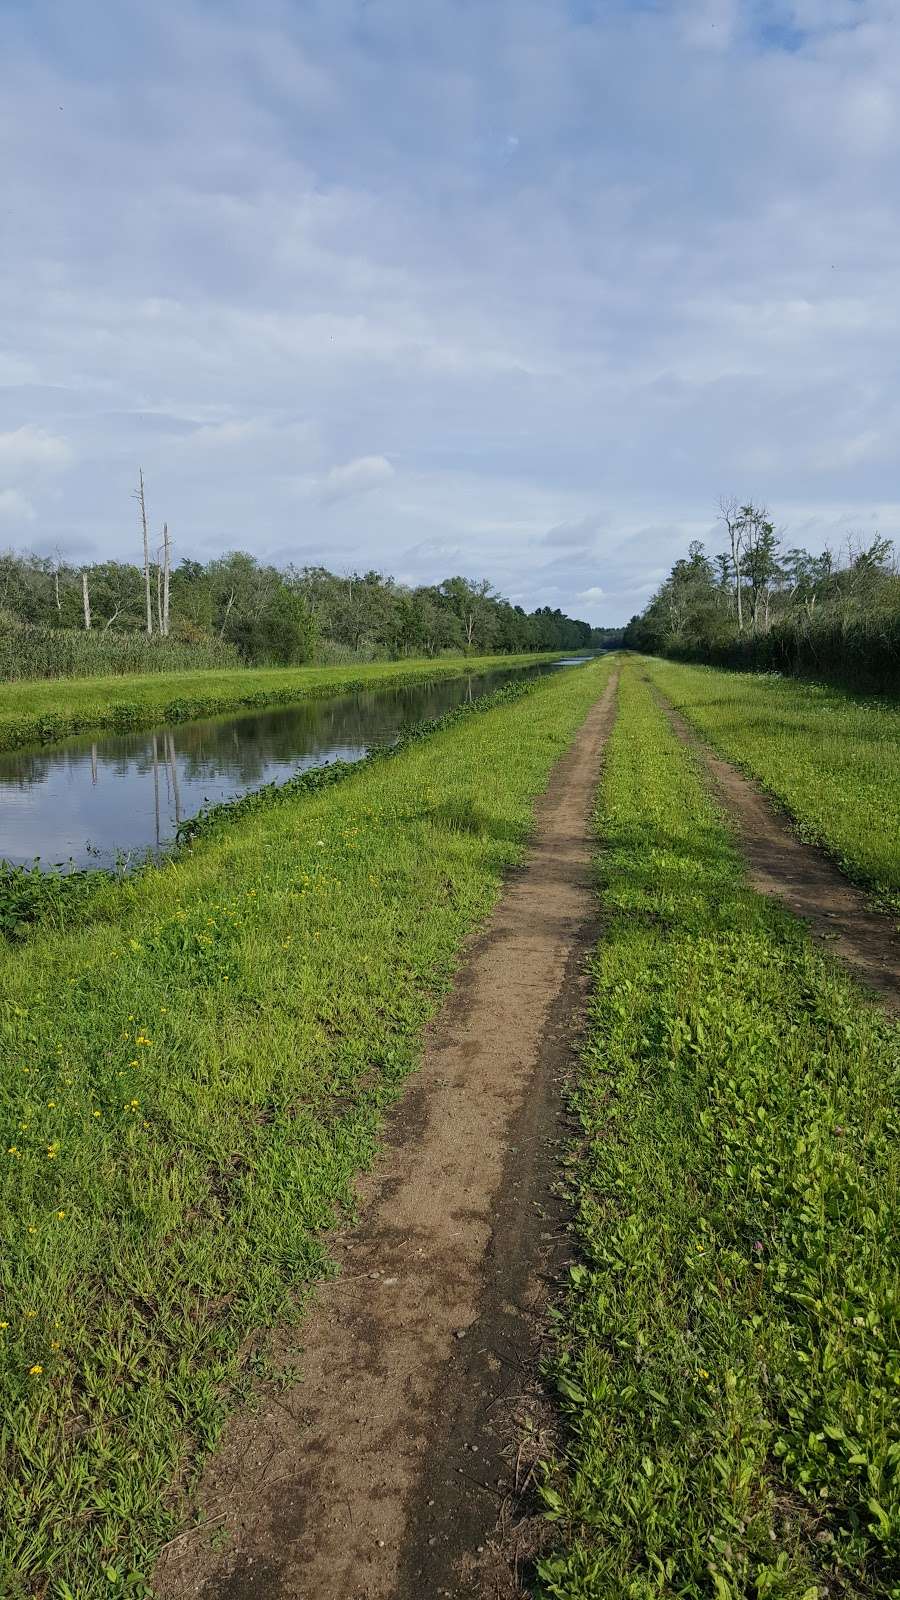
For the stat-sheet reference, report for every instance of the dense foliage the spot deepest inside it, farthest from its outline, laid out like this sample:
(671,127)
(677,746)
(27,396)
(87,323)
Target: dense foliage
(764,607)
(237,608)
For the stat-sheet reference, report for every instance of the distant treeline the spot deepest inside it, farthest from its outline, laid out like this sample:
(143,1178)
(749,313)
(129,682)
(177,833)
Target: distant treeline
(764,607)
(60,620)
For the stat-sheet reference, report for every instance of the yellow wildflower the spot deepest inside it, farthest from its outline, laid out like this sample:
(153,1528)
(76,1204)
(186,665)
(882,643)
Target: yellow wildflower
(36,1370)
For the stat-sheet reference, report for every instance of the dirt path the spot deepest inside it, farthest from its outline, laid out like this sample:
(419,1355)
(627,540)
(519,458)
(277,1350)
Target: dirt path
(801,877)
(376,1475)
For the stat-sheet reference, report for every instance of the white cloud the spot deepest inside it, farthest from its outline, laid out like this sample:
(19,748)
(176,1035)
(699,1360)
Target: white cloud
(29,448)
(356,477)
(595,593)
(627,260)
(15,507)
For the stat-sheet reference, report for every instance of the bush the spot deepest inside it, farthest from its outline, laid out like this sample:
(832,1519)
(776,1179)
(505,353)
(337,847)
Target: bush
(862,650)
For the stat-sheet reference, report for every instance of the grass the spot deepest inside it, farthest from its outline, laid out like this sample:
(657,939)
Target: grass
(34,712)
(830,757)
(191,1080)
(727,1354)
(32,651)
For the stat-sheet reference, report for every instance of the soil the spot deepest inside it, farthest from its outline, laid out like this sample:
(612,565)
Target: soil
(804,879)
(392,1467)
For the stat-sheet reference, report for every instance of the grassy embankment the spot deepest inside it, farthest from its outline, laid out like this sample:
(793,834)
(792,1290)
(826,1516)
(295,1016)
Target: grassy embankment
(830,757)
(51,708)
(190,1082)
(728,1349)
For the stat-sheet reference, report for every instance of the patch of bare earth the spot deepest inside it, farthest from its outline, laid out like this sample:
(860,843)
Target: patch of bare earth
(801,877)
(393,1467)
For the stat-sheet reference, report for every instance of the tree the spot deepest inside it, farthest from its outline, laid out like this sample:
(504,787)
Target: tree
(470,600)
(142,507)
(759,561)
(731,514)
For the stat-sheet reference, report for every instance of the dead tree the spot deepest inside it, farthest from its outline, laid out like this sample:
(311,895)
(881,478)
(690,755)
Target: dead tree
(733,517)
(139,497)
(162,582)
(87,602)
(167,569)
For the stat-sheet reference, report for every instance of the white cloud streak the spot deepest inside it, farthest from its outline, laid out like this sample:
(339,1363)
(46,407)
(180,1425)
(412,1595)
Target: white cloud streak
(540,284)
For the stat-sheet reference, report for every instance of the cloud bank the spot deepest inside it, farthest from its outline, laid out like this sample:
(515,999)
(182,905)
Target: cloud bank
(516,289)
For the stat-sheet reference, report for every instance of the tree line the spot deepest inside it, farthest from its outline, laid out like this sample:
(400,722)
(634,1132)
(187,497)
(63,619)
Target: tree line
(763,604)
(262,614)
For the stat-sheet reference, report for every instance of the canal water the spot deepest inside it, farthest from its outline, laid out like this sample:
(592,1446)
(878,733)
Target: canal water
(102,799)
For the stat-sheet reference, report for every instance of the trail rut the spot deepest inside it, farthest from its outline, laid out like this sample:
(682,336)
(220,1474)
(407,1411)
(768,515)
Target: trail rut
(376,1475)
(805,881)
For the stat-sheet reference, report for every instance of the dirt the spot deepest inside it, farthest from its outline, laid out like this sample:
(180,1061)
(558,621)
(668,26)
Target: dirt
(780,864)
(390,1469)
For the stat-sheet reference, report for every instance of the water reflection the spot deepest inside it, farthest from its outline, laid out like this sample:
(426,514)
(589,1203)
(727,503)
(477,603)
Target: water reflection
(91,799)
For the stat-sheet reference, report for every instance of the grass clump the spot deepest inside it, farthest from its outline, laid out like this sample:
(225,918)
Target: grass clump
(728,1350)
(830,757)
(190,1082)
(43,710)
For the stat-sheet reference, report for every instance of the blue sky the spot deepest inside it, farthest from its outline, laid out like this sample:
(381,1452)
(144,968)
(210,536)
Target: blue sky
(513,288)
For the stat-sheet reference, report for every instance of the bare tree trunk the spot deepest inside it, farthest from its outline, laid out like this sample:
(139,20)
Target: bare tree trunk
(56,591)
(146,532)
(731,516)
(87,602)
(159,611)
(167,567)
(227,614)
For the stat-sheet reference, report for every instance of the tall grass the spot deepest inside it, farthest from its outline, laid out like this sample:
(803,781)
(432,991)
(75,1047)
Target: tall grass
(829,756)
(192,1078)
(27,651)
(727,1355)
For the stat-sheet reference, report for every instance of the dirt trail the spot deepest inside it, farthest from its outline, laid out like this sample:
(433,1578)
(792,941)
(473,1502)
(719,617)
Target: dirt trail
(376,1475)
(801,877)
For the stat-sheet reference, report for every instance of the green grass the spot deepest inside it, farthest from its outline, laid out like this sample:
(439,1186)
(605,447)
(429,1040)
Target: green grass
(830,757)
(190,1081)
(33,651)
(50,709)
(728,1351)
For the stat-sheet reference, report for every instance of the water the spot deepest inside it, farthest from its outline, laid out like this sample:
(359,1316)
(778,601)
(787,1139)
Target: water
(92,800)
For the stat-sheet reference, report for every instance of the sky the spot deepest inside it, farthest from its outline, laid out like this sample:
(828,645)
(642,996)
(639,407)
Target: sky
(515,289)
